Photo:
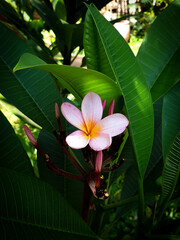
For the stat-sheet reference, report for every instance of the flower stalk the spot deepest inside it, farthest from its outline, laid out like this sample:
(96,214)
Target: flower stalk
(94,134)
(48,161)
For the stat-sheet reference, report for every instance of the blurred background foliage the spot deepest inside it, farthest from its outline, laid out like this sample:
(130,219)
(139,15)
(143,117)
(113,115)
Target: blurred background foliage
(54,30)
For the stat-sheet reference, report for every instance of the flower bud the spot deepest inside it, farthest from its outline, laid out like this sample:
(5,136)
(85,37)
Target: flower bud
(111,107)
(57,111)
(30,136)
(98,167)
(104,104)
(98,164)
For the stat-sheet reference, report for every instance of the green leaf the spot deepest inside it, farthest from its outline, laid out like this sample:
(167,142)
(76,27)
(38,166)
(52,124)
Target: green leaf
(132,83)
(78,81)
(60,9)
(171,118)
(171,172)
(70,189)
(8,11)
(32,92)
(159,52)
(95,53)
(129,162)
(12,154)
(168,77)
(73,35)
(156,154)
(31,209)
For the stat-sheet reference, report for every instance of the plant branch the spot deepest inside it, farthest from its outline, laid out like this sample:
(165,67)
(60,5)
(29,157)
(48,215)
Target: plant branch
(56,170)
(120,203)
(64,147)
(87,194)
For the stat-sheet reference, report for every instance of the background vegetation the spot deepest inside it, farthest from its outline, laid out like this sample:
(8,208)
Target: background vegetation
(144,192)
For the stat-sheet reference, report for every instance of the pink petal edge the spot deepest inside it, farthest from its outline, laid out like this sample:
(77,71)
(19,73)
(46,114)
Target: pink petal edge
(113,124)
(73,115)
(92,109)
(100,142)
(77,140)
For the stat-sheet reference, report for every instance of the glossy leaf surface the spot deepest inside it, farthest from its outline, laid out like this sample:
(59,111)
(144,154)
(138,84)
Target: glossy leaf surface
(159,52)
(130,79)
(171,118)
(12,153)
(32,92)
(78,81)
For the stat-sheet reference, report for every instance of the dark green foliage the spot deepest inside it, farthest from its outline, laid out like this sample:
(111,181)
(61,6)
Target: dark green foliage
(144,191)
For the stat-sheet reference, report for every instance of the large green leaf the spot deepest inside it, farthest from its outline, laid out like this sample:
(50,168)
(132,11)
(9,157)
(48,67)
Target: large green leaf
(78,81)
(130,79)
(156,154)
(171,118)
(128,155)
(159,52)
(170,172)
(31,209)
(12,154)
(168,77)
(95,53)
(70,189)
(32,92)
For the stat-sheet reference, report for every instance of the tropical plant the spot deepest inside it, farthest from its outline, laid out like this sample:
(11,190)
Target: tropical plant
(143,163)
(33,19)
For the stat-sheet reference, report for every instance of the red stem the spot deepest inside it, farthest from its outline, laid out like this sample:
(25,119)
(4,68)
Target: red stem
(56,170)
(64,148)
(87,194)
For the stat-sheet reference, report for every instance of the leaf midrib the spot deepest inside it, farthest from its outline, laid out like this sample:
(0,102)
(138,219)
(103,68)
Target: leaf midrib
(115,74)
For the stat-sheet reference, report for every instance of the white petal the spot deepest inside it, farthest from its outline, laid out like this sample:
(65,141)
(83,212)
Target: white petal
(77,140)
(112,125)
(92,109)
(73,115)
(100,141)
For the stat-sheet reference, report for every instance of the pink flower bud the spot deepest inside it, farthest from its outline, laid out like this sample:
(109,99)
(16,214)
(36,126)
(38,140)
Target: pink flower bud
(111,107)
(57,111)
(98,164)
(30,136)
(98,167)
(104,104)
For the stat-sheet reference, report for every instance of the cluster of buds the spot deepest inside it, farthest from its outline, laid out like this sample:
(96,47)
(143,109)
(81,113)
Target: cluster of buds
(94,135)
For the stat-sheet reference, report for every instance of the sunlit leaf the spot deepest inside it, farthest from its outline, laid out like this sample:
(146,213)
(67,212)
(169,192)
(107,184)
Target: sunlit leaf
(129,77)
(12,154)
(78,81)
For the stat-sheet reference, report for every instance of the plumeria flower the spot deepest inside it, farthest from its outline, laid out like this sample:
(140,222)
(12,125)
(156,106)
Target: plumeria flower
(93,130)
